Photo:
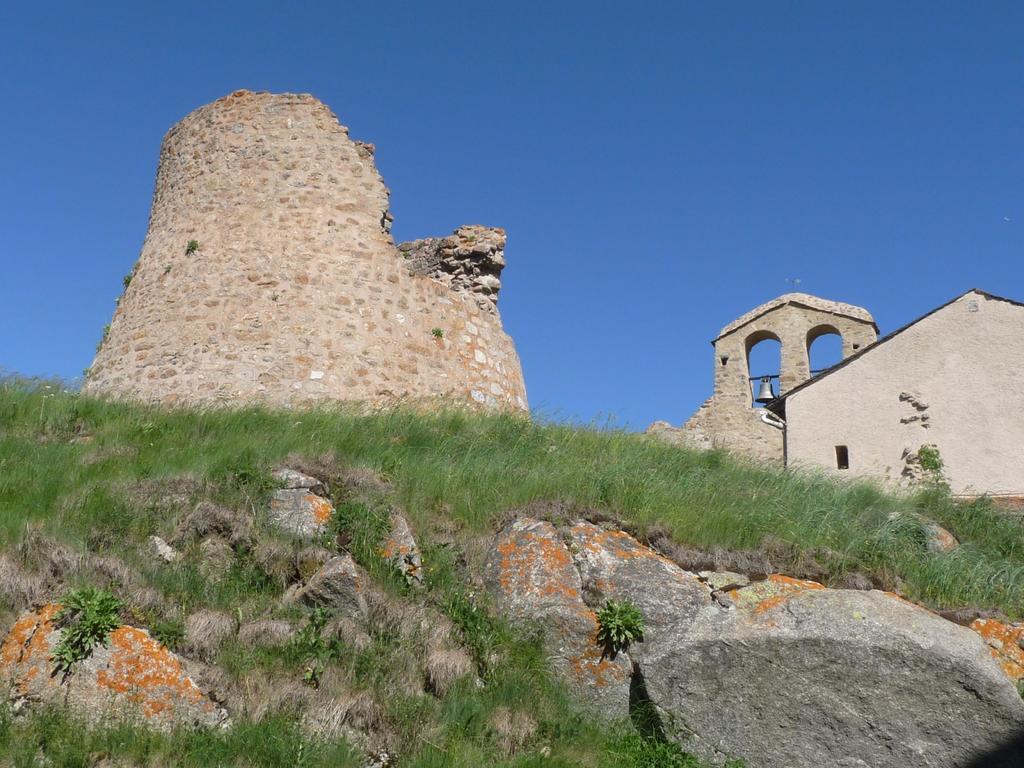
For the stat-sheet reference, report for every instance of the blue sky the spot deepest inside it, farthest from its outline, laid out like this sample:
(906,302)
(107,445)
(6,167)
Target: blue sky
(660,167)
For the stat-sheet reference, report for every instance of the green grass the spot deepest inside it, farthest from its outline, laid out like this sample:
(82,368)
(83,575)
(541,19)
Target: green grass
(476,467)
(72,468)
(67,743)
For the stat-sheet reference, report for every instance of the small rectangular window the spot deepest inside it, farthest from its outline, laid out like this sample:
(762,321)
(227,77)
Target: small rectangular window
(842,457)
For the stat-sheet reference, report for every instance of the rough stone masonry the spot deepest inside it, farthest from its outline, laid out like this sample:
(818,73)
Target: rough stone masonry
(268,274)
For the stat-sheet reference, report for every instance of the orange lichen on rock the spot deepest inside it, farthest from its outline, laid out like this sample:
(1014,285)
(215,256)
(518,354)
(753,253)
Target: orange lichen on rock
(538,565)
(765,595)
(25,657)
(391,548)
(28,635)
(1004,643)
(617,543)
(592,667)
(320,508)
(144,670)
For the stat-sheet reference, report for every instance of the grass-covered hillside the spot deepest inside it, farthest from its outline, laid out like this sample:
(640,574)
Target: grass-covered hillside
(84,483)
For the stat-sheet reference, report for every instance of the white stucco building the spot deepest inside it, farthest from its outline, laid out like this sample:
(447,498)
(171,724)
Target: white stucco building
(951,380)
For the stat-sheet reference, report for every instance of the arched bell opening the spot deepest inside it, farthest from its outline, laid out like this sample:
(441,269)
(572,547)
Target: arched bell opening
(824,348)
(764,364)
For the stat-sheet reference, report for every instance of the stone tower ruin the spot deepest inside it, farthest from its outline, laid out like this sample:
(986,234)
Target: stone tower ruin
(730,418)
(268,274)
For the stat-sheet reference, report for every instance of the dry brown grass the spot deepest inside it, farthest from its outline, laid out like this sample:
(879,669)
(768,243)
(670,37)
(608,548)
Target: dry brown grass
(208,519)
(513,729)
(445,667)
(276,560)
(205,632)
(266,633)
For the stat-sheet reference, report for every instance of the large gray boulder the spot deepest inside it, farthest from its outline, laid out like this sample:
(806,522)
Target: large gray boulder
(532,577)
(781,673)
(813,677)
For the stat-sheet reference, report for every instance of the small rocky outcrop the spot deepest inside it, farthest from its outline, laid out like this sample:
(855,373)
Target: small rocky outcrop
(532,576)
(939,540)
(161,550)
(470,259)
(780,672)
(1006,644)
(300,508)
(400,549)
(340,585)
(132,677)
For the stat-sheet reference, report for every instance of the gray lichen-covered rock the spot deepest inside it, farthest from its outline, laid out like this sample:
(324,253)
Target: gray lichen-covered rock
(800,676)
(534,581)
(300,512)
(340,585)
(293,479)
(613,565)
(215,558)
(133,677)
(401,550)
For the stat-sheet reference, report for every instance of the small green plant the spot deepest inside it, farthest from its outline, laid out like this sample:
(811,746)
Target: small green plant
(192,247)
(437,333)
(103,338)
(931,459)
(315,650)
(86,618)
(619,624)
(167,269)
(170,632)
(127,280)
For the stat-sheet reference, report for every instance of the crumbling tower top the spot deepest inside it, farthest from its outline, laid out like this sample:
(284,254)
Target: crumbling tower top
(269,274)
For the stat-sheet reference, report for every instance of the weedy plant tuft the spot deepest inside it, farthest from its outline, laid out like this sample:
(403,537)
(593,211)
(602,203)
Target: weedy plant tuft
(931,459)
(192,247)
(316,650)
(619,624)
(87,616)
(437,333)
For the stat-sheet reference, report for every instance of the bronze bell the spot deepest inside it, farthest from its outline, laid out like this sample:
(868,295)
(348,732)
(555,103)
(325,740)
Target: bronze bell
(765,395)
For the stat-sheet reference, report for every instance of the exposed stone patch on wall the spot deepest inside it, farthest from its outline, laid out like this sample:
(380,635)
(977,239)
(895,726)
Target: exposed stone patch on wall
(470,259)
(269,274)
(917,410)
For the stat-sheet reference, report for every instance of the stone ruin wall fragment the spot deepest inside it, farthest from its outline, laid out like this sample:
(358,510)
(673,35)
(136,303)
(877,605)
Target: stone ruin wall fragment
(296,292)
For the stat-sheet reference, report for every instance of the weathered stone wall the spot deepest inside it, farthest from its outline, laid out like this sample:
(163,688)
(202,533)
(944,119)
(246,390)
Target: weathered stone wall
(470,259)
(729,419)
(950,381)
(296,292)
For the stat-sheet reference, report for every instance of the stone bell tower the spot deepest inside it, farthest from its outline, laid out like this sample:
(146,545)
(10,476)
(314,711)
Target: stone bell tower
(731,418)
